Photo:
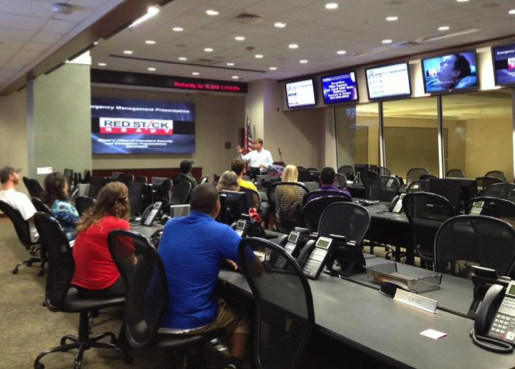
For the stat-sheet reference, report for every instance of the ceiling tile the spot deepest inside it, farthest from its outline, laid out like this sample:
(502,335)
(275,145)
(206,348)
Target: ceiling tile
(270,8)
(59,26)
(15,34)
(46,37)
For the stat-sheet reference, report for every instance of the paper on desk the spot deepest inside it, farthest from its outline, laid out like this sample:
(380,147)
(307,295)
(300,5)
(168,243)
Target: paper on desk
(431,333)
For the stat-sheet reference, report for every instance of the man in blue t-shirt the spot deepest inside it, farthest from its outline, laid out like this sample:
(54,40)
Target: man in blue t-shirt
(192,249)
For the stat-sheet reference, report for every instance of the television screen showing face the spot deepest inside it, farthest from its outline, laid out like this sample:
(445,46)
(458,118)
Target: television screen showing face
(300,94)
(450,72)
(125,126)
(504,64)
(341,88)
(389,81)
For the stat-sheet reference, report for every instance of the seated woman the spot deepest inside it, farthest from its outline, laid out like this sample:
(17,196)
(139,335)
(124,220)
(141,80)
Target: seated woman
(288,199)
(228,182)
(96,275)
(56,198)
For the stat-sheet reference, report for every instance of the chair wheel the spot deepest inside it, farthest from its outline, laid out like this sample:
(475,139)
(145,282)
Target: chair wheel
(128,359)
(39,366)
(29,264)
(41,273)
(15,271)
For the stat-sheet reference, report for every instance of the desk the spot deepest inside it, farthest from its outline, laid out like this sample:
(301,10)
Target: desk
(387,330)
(145,230)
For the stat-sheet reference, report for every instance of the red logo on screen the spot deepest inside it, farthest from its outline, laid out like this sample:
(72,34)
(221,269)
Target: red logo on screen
(128,126)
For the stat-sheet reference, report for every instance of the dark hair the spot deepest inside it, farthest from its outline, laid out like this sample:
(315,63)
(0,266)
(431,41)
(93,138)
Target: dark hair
(186,166)
(327,176)
(204,198)
(237,166)
(54,188)
(462,64)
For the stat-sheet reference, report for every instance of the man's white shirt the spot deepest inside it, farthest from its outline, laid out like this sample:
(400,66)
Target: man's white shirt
(19,201)
(256,158)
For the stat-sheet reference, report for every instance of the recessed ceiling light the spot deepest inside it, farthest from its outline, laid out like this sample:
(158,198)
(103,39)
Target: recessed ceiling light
(151,69)
(511,12)
(273,68)
(392,18)
(195,73)
(341,52)
(279,24)
(444,28)
(95,43)
(258,56)
(331,6)
(128,52)
(182,58)
(208,50)
(387,41)
(230,64)
(463,1)
(239,38)
(303,61)
(235,77)
(177,29)
(150,42)
(212,13)
(293,46)
(102,64)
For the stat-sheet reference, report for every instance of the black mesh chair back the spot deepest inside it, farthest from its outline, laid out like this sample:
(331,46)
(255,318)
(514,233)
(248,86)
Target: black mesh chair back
(136,197)
(141,179)
(20,225)
(314,175)
(253,197)
(384,188)
(414,174)
(468,240)
(501,190)
(83,203)
(95,185)
(181,192)
(284,316)
(341,181)
(313,169)
(346,170)
(26,183)
(345,219)
(87,176)
(313,209)
(367,177)
(146,290)
(481,183)
(492,207)
(304,175)
(373,188)
(426,177)
(60,260)
(497,174)
(41,206)
(162,190)
(35,188)
(418,186)
(126,179)
(455,173)
(384,171)
(426,212)
(204,179)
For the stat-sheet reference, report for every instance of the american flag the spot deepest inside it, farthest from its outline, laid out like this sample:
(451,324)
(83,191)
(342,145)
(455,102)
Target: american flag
(248,141)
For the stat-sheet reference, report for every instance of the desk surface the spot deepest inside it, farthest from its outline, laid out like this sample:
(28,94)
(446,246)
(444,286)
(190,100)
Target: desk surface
(146,230)
(386,329)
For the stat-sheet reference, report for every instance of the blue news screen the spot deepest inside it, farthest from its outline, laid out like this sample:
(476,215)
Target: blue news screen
(504,64)
(450,72)
(340,88)
(125,126)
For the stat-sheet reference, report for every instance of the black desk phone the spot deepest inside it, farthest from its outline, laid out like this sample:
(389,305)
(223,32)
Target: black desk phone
(241,227)
(318,257)
(396,204)
(494,328)
(151,213)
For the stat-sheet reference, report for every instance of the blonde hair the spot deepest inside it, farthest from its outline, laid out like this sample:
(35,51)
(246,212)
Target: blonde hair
(112,201)
(228,182)
(290,174)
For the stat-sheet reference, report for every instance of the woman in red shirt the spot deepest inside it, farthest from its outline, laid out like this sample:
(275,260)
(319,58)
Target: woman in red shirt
(96,275)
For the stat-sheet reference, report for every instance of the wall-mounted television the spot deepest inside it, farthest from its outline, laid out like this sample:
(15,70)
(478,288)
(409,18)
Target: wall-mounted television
(504,64)
(126,126)
(451,72)
(388,81)
(300,94)
(340,88)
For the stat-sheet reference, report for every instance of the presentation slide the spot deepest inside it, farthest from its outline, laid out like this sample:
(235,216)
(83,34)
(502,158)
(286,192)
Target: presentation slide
(340,88)
(450,72)
(504,64)
(124,126)
(300,93)
(388,81)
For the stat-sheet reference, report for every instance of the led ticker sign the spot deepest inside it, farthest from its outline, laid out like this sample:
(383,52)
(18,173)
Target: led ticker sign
(223,87)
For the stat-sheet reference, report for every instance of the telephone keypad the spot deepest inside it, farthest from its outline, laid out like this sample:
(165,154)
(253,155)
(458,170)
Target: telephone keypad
(503,326)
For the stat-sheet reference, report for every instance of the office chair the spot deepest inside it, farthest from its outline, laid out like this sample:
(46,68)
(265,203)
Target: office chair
(501,190)
(497,174)
(35,189)
(314,175)
(284,316)
(95,185)
(60,296)
(304,175)
(147,297)
(68,174)
(253,197)
(345,219)
(286,222)
(427,177)
(414,174)
(384,171)
(126,179)
(493,207)
(83,203)
(341,181)
(181,192)
(368,178)
(162,190)
(141,179)
(474,239)
(426,212)
(23,232)
(455,173)
(41,206)
(481,183)
(347,171)
(313,209)
(390,187)
(418,186)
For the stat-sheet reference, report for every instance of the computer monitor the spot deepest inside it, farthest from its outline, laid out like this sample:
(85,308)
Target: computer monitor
(115,175)
(136,197)
(448,188)
(157,181)
(253,172)
(233,205)
(179,210)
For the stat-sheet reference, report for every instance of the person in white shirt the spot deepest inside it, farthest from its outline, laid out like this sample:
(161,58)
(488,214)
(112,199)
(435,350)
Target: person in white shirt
(10,177)
(259,158)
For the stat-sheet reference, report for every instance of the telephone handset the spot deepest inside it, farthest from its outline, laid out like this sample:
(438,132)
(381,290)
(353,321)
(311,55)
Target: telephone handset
(151,213)
(494,328)
(396,204)
(318,257)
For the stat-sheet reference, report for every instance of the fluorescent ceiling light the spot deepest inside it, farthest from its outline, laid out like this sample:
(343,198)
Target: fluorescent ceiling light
(151,69)
(392,18)
(258,56)
(444,28)
(235,77)
(150,42)
(182,58)
(128,52)
(102,64)
(303,61)
(239,38)
(387,41)
(151,12)
(195,73)
(212,13)
(273,68)
(293,46)
(341,52)
(177,29)
(279,24)
(208,50)
(331,6)
(230,64)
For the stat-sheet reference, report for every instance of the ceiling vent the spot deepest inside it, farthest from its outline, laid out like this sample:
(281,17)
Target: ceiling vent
(248,18)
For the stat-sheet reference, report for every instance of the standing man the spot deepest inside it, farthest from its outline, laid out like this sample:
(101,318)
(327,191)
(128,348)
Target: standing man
(10,177)
(259,158)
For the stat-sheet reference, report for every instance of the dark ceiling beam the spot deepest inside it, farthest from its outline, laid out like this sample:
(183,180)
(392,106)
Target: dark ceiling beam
(107,26)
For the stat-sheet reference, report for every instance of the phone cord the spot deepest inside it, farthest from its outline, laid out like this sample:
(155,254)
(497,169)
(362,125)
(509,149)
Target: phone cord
(491,344)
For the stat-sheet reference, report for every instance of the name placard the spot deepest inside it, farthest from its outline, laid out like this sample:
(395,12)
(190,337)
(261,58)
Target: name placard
(416,301)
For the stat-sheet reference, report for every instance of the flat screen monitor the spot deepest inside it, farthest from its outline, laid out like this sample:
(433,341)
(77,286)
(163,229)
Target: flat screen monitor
(127,126)
(300,94)
(233,205)
(388,81)
(504,64)
(451,72)
(340,88)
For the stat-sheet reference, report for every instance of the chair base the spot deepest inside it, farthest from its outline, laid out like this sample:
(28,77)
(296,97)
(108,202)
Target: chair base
(29,262)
